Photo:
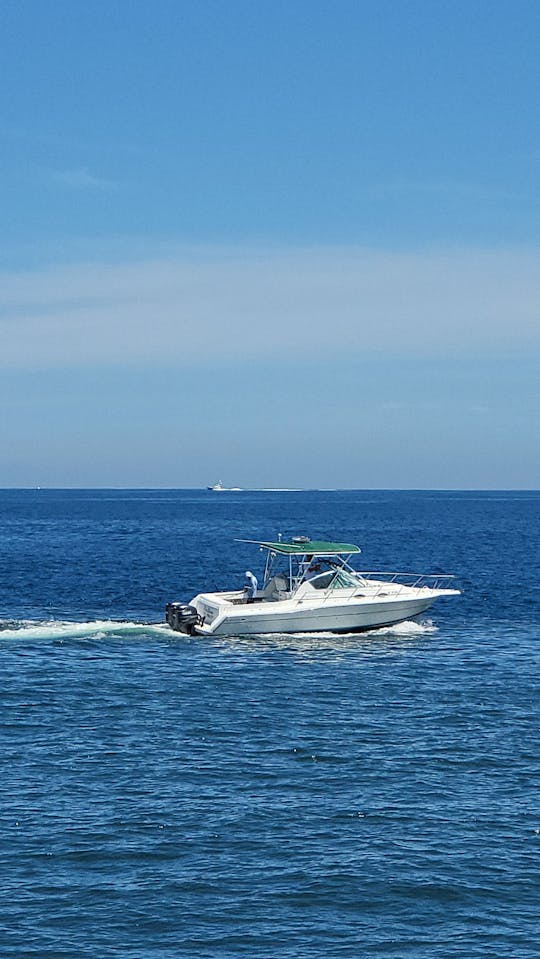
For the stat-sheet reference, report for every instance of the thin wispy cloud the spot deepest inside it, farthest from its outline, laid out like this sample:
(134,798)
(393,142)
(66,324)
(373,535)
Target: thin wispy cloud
(81,178)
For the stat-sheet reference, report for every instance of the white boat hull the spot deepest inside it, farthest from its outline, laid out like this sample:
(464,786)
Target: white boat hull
(293,616)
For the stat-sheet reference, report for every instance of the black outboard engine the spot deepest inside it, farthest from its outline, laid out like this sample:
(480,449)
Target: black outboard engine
(181,617)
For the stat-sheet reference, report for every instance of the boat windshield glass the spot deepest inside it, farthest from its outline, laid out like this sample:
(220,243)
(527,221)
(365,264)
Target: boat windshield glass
(334,579)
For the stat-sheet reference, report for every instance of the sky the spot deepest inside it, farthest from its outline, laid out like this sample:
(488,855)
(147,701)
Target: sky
(271,243)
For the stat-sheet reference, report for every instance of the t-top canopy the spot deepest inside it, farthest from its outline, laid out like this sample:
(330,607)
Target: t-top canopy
(311,548)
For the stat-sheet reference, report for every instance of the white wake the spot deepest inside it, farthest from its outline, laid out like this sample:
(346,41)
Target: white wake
(109,628)
(96,629)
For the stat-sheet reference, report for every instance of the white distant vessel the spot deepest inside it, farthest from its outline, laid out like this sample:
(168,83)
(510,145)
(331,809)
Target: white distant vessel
(219,488)
(309,586)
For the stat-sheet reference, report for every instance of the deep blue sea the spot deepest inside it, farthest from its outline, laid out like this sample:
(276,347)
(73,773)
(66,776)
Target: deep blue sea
(164,797)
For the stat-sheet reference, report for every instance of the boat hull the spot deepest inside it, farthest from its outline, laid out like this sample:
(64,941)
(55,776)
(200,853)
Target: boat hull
(246,620)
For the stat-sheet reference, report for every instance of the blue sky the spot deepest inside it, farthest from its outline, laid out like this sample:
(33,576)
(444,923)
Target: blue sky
(300,239)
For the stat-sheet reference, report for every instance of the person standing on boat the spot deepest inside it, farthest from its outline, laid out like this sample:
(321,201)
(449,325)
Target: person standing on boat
(250,589)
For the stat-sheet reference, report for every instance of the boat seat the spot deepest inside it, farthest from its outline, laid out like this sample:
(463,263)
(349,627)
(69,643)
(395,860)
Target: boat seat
(276,589)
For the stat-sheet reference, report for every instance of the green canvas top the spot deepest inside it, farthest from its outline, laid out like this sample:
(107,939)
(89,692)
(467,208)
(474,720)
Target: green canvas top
(311,548)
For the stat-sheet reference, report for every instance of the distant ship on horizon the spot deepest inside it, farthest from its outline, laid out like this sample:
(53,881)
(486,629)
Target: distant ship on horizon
(219,488)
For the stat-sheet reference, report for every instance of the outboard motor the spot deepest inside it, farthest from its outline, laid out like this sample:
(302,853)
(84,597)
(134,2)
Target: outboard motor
(181,617)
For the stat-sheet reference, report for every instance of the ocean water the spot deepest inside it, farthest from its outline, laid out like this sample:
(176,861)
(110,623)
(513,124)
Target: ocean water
(309,797)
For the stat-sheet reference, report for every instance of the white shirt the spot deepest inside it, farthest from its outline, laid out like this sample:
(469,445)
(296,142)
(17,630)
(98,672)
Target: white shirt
(252,585)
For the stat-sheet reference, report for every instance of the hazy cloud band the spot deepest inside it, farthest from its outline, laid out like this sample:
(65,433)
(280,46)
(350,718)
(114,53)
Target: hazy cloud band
(271,304)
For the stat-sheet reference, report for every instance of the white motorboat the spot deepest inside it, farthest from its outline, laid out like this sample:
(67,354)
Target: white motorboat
(309,586)
(219,488)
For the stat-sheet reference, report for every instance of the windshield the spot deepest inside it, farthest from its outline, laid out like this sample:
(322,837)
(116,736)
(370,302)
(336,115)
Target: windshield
(334,579)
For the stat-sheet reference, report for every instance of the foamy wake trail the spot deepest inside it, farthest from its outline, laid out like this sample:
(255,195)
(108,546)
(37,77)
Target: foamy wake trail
(108,628)
(97,629)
